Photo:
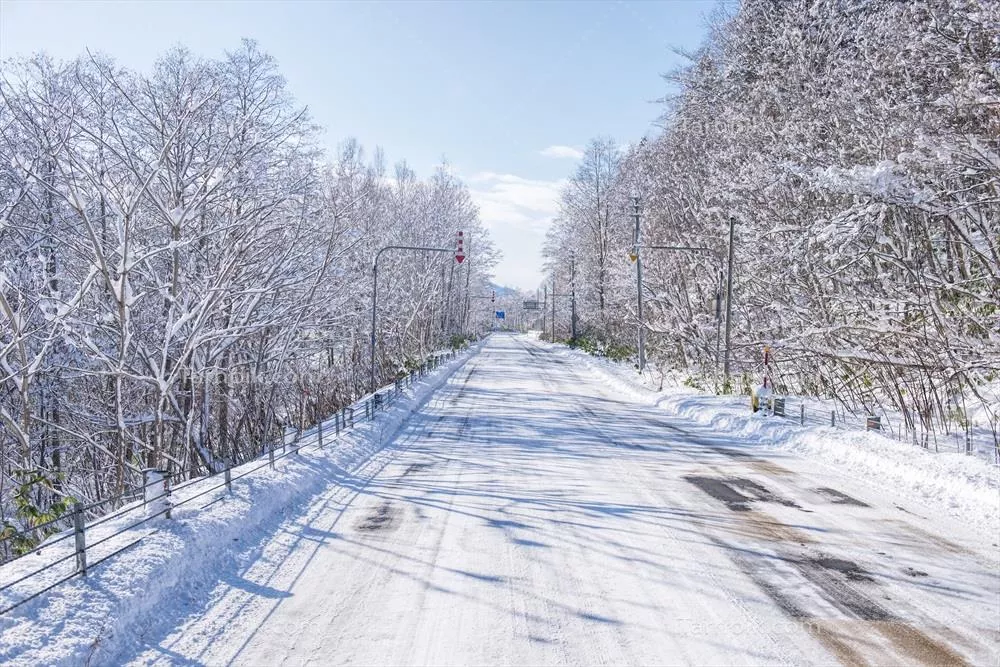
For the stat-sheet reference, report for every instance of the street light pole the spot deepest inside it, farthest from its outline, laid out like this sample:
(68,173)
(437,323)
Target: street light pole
(371,377)
(718,288)
(572,291)
(637,256)
(718,292)
(718,322)
(638,281)
(553,307)
(545,306)
(729,304)
(467,306)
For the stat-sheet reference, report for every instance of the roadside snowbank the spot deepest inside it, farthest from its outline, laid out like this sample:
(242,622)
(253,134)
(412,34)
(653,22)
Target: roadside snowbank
(89,620)
(964,487)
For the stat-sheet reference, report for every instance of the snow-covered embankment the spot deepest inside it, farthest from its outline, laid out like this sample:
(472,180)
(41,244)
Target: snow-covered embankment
(179,560)
(964,487)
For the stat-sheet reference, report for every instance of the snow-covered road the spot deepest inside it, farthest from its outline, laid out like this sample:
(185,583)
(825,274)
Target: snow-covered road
(528,515)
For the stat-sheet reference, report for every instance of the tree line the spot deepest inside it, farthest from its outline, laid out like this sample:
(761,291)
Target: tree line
(184,272)
(855,146)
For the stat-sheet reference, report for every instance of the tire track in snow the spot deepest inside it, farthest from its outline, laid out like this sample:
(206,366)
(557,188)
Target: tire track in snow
(778,645)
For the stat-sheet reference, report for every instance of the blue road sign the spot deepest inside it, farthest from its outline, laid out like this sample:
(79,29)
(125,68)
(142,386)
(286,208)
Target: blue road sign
(500,315)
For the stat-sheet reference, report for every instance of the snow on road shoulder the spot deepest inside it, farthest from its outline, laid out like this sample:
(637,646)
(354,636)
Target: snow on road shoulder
(87,620)
(964,487)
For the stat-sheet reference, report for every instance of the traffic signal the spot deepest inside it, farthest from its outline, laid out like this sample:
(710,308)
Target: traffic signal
(493,299)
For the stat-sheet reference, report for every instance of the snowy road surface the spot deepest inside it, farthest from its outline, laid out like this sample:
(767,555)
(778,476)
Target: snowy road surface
(528,515)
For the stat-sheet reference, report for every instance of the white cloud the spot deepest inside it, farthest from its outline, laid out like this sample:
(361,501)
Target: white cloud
(512,199)
(562,151)
(518,212)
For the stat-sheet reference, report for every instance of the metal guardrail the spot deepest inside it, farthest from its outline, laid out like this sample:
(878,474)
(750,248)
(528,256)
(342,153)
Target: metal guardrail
(343,420)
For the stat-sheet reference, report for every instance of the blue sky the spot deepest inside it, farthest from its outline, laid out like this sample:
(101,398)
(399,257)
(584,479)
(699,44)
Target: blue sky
(487,85)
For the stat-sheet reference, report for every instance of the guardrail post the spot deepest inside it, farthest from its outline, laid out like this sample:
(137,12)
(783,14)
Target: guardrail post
(166,494)
(81,541)
(319,433)
(833,418)
(229,477)
(270,455)
(336,423)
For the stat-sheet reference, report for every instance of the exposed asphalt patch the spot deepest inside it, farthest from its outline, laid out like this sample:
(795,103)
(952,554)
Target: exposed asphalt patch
(840,498)
(835,580)
(849,568)
(721,491)
(759,492)
(736,492)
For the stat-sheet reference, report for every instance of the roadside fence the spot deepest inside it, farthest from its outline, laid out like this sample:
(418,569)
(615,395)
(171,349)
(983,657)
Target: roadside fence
(156,495)
(806,414)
